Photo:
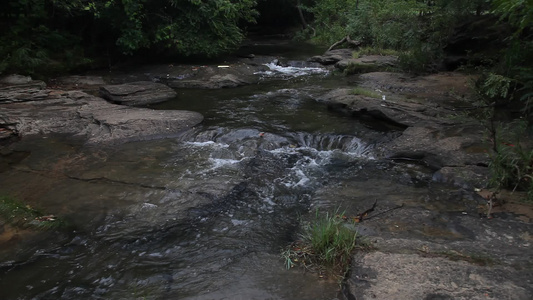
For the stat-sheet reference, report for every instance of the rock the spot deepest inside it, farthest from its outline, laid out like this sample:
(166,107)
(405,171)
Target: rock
(442,89)
(332,56)
(368,63)
(440,146)
(215,82)
(15,79)
(79,82)
(380,275)
(400,114)
(6,133)
(467,177)
(80,114)
(137,93)
(429,138)
(109,122)
(32,91)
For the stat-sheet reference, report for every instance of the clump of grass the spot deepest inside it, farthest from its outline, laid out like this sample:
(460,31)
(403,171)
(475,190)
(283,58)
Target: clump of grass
(375,51)
(17,214)
(326,245)
(365,92)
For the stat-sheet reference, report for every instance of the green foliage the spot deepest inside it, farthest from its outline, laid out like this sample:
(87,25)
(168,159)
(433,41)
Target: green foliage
(24,216)
(183,27)
(511,163)
(37,34)
(365,92)
(29,41)
(417,28)
(360,68)
(385,23)
(517,12)
(375,51)
(331,18)
(495,86)
(326,245)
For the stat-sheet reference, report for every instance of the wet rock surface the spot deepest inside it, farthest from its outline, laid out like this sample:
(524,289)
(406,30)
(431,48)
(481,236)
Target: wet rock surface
(214,76)
(31,110)
(213,82)
(333,56)
(425,109)
(33,90)
(432,243)
(137,93)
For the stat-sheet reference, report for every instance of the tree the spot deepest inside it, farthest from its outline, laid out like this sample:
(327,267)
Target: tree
(33,34)
(37,33)
(184,27)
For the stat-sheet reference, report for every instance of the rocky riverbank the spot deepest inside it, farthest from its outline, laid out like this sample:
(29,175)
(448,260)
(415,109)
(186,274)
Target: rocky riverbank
(31,108)
(445,248)
(438,246)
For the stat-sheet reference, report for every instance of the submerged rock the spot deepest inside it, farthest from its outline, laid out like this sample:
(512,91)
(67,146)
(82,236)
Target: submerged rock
(137,93)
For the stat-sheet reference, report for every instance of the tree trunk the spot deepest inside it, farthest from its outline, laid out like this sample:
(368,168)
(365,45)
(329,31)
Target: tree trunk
(302,19)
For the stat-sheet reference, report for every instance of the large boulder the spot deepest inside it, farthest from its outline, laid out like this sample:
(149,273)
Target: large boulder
(423,111)
(18,88)
(441,146)
(400,114)
(367,63)
(332,56)
(109,122)
(91,118)
(74,82)
(137,93)
(15,79)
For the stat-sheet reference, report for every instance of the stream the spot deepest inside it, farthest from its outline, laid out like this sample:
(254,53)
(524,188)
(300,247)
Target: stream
(201,216)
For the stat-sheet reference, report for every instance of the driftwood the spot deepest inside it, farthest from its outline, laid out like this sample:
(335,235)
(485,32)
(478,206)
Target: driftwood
(346,39)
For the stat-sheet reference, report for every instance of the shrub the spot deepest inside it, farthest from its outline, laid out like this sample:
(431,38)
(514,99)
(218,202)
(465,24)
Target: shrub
(511,164)
(375,51)
(361,68)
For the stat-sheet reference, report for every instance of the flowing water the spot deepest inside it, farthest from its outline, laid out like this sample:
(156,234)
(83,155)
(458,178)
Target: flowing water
(202,216)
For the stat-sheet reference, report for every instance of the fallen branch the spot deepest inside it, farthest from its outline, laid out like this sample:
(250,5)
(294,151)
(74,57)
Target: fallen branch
(345,39)
(352,42)
(336,44)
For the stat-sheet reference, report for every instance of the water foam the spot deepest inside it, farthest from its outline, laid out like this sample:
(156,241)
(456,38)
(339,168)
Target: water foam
(277,70)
